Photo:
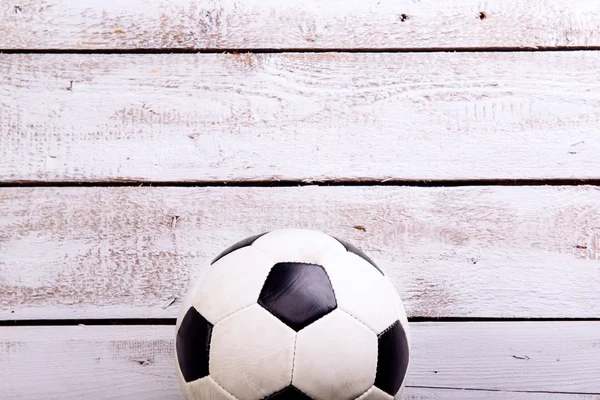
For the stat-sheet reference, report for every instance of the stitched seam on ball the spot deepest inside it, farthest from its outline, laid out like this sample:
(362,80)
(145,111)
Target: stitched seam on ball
(250,305)
(338,306)
(294,359)
(386,330)
(271,396)
(263,284)
(372,263)
(339,241)
(376,365)
(366,391)
(265,281)
(300,262)
(377,354)
(274,263)
(219,385)
(358,319)
(330,284)
(210,335)
(264,254)
(235,312)
(336,302)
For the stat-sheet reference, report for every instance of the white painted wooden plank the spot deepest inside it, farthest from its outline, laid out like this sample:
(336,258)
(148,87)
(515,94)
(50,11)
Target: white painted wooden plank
(104,362)
(508,356)
(209,117)
(303,24)
(417,393)
(126,252)
(485,360)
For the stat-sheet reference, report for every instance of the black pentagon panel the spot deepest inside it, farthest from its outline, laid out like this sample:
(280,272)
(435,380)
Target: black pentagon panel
(353,249)
(392,361)
(193,345)
(289,393)
(298,293)
(242,243)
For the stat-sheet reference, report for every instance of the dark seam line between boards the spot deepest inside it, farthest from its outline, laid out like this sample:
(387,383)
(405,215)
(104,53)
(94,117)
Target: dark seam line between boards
(501,390)
(171,321)
(297,183)
(491,49)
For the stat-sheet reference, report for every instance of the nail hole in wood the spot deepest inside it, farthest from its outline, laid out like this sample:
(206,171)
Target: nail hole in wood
(482,15)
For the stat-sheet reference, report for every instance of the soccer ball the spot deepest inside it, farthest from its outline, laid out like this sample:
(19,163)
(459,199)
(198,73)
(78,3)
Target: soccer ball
(292,314)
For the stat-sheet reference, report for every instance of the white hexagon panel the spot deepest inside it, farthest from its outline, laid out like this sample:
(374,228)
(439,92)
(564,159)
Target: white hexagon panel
(336,358)
(252,353)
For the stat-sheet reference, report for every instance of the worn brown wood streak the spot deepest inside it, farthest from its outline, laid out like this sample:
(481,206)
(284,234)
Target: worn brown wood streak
(484,360)
(301,24)
(309,117)
(129,252)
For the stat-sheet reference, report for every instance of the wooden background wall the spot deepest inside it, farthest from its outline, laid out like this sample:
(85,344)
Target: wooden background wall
(458,143)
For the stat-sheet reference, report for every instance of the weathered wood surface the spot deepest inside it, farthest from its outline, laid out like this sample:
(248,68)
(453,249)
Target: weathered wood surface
(333,116)
(300,24)
(470,360)
(128,252)
(417,393)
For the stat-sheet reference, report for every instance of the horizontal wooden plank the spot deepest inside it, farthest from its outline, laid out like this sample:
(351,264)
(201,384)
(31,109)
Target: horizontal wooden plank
(453,360)
(517,356)
(309,117)
(128,252)
(417,393)
(306,24)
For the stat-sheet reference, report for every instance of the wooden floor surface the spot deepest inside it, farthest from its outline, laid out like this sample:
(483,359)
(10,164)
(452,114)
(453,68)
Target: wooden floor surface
(457,143)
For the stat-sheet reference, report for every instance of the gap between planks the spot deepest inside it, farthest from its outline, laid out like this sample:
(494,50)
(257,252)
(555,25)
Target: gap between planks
(304,50)
(172,321)
(292,183)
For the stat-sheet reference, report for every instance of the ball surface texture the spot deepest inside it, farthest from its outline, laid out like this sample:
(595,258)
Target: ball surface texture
(292,314)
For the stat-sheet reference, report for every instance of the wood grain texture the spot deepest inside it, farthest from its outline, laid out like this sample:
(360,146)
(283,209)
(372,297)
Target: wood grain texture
(306,24)
(418,393)
(128,252)
(310,117)
(469,360)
